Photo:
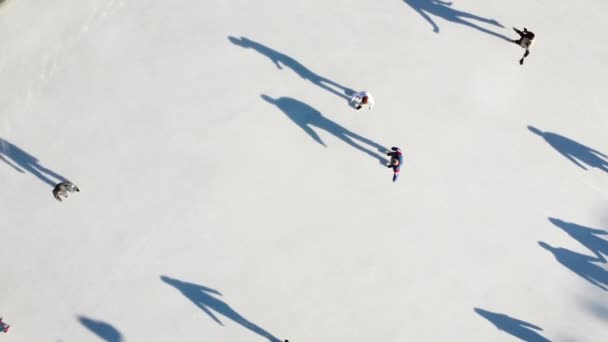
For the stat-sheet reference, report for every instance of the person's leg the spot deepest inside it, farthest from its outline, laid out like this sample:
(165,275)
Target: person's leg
(521,61)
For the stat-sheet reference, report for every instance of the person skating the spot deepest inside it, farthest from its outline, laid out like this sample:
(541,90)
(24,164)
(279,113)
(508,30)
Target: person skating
(362,98)
(3,326)
(63,188)
(526,39)
(396,161)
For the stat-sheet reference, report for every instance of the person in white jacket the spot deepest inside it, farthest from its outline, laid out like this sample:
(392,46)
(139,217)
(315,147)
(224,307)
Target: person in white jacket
(361,99)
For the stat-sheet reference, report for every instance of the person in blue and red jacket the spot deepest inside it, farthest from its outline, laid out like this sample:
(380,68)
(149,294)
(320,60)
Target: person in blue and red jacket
(396,161)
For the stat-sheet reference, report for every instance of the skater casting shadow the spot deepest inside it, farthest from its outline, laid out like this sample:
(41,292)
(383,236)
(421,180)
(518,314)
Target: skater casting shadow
(583,265)
(520,329)
(280,60)
(588,237)
(577,153)
(204,298)
(20,161)
(102,329)
(443,9)
(307,117)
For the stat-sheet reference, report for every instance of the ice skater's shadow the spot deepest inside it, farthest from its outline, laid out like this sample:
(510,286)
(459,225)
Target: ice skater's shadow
(520,329)
(280,60)
(102,329)
(307,117)
(21,160)
(577,153)
(581,264)
(205,299)
(443,9)
(588,237)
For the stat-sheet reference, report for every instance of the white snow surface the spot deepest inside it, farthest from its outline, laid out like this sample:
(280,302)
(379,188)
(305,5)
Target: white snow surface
(229,192)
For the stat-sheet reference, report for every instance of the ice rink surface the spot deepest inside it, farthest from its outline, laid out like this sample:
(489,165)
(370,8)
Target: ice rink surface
(229,192)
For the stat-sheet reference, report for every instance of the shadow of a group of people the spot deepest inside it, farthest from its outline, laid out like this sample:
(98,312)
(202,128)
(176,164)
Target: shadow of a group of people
(590,267)
(587,267)
(308,119)
(305,116)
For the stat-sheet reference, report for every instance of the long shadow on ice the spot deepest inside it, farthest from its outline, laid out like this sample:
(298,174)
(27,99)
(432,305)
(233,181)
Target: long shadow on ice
(21,160)
(518,328)
(588,237)
(205,299)
(102,329)
(281,59)
(583,265)
(307,117)
(444,10)
(576,152)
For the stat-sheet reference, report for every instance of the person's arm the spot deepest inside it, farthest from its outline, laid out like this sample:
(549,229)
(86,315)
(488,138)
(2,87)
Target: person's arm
(521,34)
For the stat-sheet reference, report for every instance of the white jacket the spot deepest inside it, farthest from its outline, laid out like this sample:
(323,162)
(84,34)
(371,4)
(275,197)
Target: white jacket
(357,97)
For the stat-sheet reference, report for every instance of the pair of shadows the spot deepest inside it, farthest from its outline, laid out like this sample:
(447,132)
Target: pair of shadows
(444,10)
(585,266)
(304,115)
(307,117)
(521,329)
(281,60)
(583,156)
(21,161)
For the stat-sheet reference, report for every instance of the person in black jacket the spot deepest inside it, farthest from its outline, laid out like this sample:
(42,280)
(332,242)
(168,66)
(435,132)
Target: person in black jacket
(526,39)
